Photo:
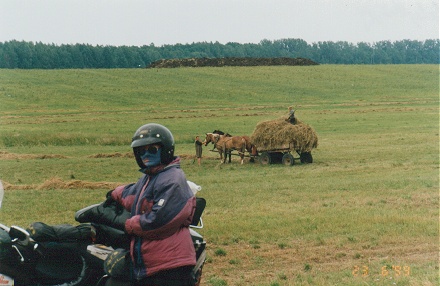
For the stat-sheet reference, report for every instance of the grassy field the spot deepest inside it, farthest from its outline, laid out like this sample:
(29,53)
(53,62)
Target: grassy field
(366,212)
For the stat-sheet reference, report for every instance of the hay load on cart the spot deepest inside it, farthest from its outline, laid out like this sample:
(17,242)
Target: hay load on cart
(277,140)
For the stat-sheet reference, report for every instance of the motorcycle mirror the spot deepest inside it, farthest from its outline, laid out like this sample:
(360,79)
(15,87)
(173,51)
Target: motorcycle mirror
(2,193)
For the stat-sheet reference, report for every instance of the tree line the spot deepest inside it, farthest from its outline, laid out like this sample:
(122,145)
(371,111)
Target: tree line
(29,55)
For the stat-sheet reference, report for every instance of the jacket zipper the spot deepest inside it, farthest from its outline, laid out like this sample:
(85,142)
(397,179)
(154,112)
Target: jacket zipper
(138,240)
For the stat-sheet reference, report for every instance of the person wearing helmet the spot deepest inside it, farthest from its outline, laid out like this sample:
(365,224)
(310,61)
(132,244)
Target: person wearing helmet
(162,206)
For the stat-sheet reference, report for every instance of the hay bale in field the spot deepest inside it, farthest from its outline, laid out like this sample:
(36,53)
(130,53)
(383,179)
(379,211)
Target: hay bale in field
(280,134)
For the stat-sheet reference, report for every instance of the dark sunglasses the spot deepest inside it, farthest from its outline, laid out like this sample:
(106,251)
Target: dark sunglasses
(152,149)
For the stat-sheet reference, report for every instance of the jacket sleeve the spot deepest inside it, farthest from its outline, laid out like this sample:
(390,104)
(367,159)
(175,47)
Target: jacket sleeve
(123,196)
(173,207)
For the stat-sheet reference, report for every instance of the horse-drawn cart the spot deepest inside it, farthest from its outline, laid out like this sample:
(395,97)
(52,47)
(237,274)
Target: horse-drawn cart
(283,155)
(277,141)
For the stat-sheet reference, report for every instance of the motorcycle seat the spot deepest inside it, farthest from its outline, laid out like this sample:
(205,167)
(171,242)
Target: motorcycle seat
(42,232)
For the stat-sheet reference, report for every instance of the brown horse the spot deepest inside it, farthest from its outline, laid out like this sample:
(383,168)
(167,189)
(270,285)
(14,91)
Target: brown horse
(215,139)
(227,135)
(233,143)
(251,148)
(227,143)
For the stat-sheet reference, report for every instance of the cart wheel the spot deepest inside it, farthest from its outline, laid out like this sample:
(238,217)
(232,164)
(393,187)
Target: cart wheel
(306,157)
(264,158)
(288,159)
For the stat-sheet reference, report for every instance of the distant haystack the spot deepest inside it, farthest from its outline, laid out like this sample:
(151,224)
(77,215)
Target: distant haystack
(280,134)
(233,62)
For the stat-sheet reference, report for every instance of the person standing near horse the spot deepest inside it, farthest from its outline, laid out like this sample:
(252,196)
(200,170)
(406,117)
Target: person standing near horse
(291,117)
(198,145)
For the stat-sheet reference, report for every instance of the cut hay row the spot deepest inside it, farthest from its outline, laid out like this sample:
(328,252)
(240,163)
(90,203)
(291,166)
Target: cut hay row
(113,155)
(280,134)
(59,184)
(11,156)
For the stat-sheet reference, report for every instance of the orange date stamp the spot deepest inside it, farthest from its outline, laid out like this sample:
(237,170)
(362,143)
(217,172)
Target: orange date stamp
(393,270)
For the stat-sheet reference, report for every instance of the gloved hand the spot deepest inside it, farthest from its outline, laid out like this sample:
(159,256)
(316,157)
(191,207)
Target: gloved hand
(109,200)
(109,212)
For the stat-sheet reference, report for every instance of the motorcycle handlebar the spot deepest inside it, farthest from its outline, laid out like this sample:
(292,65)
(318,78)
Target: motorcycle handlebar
(16,232)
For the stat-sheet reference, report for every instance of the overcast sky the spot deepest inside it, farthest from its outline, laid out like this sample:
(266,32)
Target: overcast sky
(142,22)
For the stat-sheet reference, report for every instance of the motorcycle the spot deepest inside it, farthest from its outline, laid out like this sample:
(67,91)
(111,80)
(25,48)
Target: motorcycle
(66,255)
(25,260)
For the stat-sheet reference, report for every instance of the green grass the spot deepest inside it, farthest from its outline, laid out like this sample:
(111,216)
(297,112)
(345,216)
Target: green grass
(369,200)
